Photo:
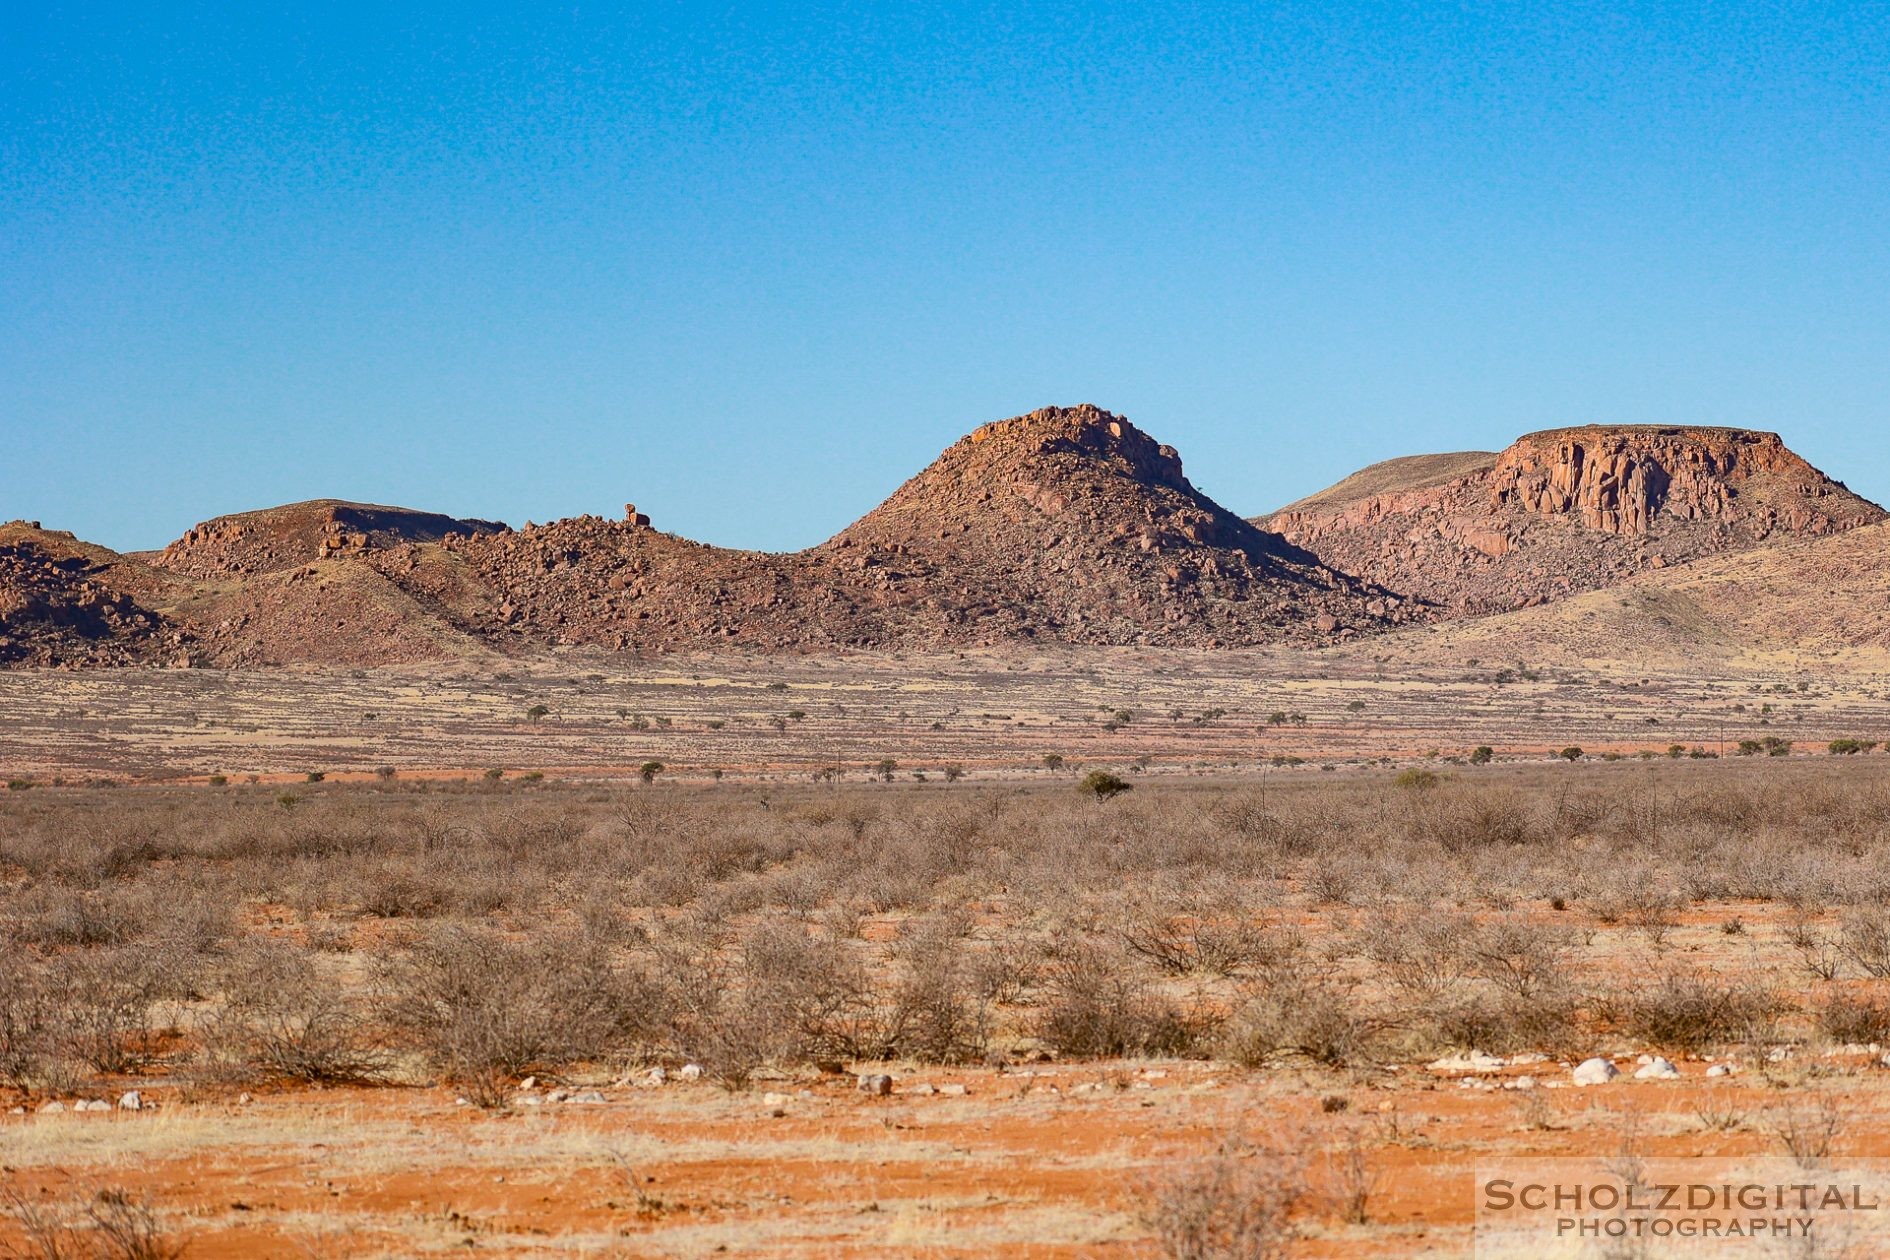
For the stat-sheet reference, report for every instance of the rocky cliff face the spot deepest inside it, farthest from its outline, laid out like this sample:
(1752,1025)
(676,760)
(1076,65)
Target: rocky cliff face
(1570,510)
(1622,480)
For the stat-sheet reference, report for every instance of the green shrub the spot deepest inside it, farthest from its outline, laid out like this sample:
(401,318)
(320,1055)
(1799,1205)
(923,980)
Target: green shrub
(1102,785)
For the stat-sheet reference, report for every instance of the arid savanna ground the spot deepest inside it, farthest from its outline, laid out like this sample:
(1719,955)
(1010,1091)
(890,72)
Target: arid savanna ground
(407,963)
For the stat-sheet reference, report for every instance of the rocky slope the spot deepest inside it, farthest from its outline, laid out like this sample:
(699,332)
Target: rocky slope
(1817,604)
(274,539)
(1565,511)
(68,604)
(1067,525)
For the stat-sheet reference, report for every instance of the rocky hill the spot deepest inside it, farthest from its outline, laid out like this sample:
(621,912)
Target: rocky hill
(1816,603)
(278,538)
(1565,511)
(68,604)
(1065,525)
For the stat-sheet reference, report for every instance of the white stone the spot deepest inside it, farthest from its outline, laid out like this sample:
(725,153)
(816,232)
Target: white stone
(131,1101)
(51,1108)
(529,1100)
(1594,1072)
(1720,1069)
(1657,1069)
(691,1072)
(774,1100)
(587,1098)
(92,1104)
(959,1091)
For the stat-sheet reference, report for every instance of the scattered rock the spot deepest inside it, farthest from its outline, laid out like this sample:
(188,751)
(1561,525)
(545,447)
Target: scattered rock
(877,1083)
(1657,1069)
(1594,1072)
(131,1101)
(587,1098)
(690,1072)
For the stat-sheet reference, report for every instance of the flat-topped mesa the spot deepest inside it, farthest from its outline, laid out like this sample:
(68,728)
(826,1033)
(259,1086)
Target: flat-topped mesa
(1565,510)
(1620,479)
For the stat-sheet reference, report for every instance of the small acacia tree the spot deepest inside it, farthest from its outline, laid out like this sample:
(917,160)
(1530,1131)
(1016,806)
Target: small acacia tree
(649,770)
(1102,785)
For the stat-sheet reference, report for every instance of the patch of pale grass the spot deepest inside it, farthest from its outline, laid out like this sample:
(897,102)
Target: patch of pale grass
(902,1227)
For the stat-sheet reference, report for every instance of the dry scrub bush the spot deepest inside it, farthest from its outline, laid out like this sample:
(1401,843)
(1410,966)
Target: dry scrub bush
(106,1000)
(1235,1204)
(1865,941)
(1306,1015)
(117,905)
(820,994)
(1690,1012)
(1215,943)
(1853,1019)
(35,1029)
(1509,1023)
(285,1018)
(112,1225)
(1427,954)
(1097,1007)
(482,1009)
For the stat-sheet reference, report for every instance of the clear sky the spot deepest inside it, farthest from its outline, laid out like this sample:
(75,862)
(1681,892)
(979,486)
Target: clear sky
(752,265)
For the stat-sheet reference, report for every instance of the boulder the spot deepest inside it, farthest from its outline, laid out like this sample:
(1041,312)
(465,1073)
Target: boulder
(1594,1072)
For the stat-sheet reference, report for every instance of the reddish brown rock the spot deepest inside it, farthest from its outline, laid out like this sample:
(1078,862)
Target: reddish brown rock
(1566,510)
(1065,525)
(274,539)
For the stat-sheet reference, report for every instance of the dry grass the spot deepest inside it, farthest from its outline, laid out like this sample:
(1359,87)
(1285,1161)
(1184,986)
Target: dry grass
(401,932)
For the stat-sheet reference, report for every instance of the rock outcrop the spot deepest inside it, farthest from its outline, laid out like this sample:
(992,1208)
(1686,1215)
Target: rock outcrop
(1567,510)
(273,539)
(1064,525)
(1068,525)
(65,604)
(1623,480)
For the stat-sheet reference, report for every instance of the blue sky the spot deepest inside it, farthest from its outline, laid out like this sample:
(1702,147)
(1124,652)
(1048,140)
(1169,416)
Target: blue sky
(751,266)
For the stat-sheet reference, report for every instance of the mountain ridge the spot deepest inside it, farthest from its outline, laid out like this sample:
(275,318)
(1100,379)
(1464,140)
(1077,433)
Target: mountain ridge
(1062,525)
